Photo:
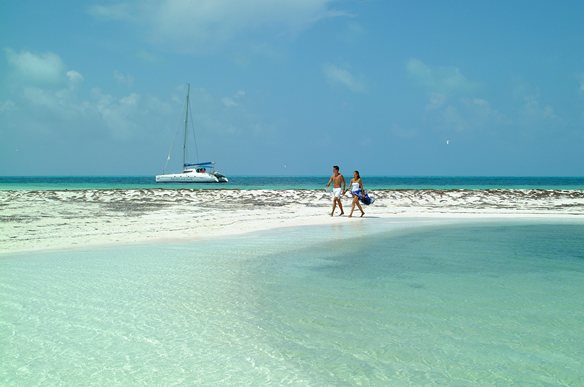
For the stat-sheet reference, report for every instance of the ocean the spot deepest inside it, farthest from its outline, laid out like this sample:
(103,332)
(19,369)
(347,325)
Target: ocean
(459,303)
(292,182)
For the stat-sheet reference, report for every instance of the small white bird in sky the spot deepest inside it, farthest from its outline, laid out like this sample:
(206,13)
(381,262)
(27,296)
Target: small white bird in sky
(447,142)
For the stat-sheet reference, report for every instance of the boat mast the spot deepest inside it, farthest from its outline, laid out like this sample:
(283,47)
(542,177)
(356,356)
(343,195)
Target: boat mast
(186,125)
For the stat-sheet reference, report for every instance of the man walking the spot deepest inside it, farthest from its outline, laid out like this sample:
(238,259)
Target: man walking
(337,180)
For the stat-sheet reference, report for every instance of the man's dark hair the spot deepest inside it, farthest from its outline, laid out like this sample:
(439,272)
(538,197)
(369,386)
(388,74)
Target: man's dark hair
(336,167)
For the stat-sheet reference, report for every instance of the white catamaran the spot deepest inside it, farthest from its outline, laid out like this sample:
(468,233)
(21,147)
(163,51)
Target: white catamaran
(201,172)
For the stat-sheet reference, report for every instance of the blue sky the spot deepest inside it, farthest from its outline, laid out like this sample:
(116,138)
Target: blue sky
(291,87)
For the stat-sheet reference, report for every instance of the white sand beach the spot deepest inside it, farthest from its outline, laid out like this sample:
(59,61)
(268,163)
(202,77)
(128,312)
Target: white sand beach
(36,220)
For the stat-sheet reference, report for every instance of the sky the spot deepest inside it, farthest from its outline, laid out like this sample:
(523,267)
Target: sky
(292,87)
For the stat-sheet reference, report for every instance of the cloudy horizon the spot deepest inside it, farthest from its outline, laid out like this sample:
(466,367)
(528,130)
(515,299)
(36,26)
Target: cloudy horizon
(292,87)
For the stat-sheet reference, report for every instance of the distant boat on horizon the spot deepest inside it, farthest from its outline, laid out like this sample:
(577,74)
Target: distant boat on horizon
(199,172)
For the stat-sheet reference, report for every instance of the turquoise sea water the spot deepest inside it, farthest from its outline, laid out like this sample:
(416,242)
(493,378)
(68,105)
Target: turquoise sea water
(292,182)
(360,303)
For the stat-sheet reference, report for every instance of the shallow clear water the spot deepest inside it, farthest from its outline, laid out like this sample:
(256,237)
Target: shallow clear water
(488,303)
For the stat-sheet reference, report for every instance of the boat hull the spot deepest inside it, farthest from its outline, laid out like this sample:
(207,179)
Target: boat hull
(193,177)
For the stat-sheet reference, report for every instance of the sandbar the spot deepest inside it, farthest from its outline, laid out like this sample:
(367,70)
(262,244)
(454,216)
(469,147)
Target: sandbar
(61,219)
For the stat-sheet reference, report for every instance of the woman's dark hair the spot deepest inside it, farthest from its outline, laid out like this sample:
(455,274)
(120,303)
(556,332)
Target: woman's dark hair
(358,176)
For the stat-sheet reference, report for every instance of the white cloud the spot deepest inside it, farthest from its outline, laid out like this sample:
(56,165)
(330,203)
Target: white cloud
(234,100)
(74,76)
(123,79)
(50,104)
(229,102)
(67,112)
(451,105)
(450,115)
(340,76)
(454,119)
(120,11)
(45,68)
(531,112)
(534,110)
(72,111)
(121,115)
(216,116)
(480,108)
(199,25)
(436,101)
(445,80)
(7,106)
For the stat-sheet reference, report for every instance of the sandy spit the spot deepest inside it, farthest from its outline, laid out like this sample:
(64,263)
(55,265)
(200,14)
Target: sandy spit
(35,220)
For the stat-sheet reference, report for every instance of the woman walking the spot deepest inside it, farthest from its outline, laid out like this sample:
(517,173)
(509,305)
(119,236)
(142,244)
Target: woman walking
(358,192)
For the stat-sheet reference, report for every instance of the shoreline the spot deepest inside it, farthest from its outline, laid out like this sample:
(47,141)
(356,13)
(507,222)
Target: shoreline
(65,219)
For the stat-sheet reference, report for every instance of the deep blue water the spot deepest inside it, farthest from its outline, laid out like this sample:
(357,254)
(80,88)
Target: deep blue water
(291,182)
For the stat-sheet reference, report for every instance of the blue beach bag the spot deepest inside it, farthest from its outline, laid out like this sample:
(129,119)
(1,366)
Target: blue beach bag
(366,199)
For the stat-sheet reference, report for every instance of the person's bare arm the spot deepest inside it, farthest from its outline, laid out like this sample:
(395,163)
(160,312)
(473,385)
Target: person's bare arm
(329,182)
(345,189)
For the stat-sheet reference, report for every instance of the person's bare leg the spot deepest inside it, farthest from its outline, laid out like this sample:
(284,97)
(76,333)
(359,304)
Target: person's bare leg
(353,207)
(334,206)
(341,207)
(360,208)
